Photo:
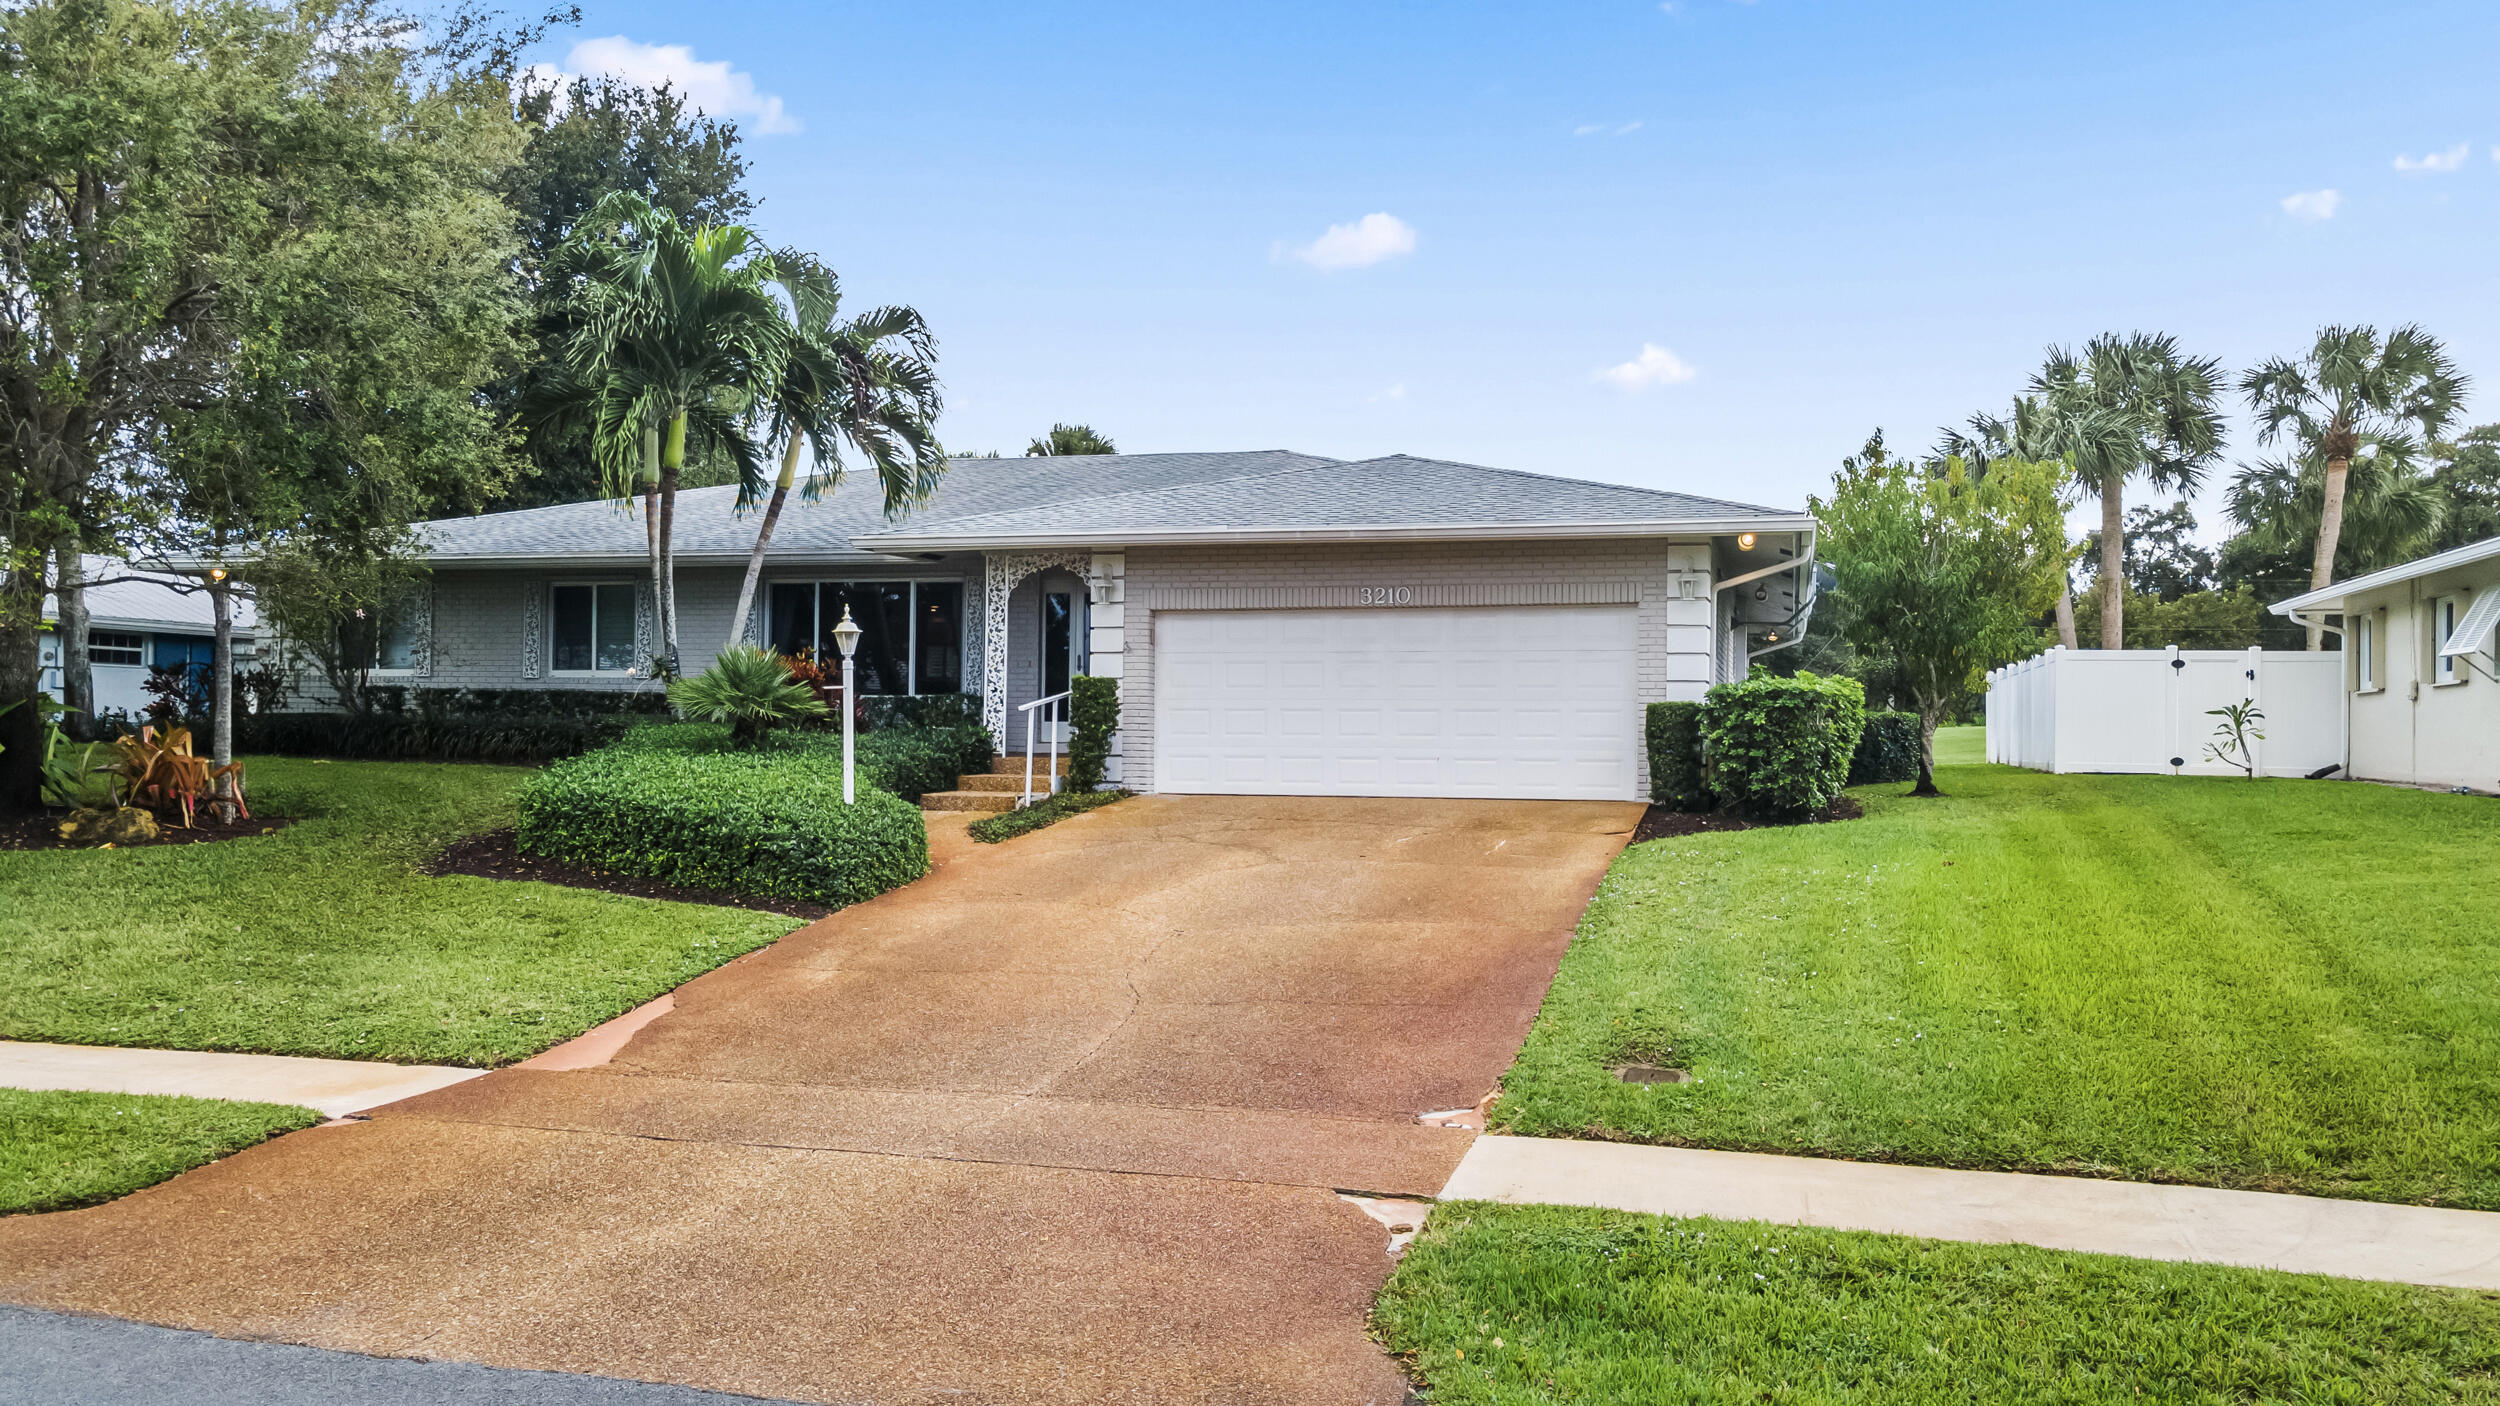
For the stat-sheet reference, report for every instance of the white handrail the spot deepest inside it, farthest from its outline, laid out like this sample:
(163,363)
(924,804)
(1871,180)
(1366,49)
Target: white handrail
(1027,710)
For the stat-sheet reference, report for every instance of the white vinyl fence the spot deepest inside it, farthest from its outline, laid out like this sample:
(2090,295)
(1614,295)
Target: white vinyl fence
(2148,709)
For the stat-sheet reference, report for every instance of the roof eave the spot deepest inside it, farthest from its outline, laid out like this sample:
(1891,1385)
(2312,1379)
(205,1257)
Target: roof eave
(2339,592)
(1416,532)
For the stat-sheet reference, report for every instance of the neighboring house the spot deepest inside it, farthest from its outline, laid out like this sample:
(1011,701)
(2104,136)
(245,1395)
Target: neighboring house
(138,620)
(2422,684)
(1280,623)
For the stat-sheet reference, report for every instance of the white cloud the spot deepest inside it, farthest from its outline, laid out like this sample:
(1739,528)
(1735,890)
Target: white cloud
(1588,129)
(1655,366)
(2313,205)
(1591,129)
(1365,242)
(716,88)
(2453,159)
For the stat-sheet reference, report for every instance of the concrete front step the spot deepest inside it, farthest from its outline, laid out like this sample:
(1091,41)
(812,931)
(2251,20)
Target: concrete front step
(1010,782)
(969,800)
(1004,765)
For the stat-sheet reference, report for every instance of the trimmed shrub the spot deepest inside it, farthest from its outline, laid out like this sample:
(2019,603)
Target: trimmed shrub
(412,737)
(926,710)
(1676,775)
(1007,824)
(913,761)
(1888,750)
(675,803)
(1093,715)
(1780,748)
(399,699)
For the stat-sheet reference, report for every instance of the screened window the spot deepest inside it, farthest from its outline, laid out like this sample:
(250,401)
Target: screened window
(396,648)
(593,629)
(911,632)
(115,647)
(2365,652)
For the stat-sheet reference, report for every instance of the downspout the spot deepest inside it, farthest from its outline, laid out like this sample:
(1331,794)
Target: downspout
(2343,688)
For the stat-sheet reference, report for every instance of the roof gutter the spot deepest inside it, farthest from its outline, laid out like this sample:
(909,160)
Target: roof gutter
(898,542)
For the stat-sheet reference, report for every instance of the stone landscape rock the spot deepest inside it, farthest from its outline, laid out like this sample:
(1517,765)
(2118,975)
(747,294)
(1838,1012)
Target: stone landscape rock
(122,825)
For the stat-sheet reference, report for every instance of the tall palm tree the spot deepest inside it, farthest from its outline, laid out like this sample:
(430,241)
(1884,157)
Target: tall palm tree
(2091,442)
(2353,397)
(2127,407)
(679,329)
(868,381)
(1071,439)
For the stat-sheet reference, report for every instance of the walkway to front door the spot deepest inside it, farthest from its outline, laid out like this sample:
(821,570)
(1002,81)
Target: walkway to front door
(1064,1122)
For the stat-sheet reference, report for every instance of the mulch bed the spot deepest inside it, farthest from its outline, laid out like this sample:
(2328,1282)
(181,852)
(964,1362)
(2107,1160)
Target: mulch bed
(43,831)
(1661,823)
(494,855)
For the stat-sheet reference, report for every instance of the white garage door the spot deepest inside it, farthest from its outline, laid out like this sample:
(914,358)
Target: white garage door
(1524,701)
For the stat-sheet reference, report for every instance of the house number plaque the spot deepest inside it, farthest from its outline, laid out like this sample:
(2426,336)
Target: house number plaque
(1388,595)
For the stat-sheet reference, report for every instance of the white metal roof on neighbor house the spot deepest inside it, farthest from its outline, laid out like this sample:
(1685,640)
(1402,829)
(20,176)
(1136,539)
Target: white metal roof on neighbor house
(1260,495)
(2333,596)
(148,601)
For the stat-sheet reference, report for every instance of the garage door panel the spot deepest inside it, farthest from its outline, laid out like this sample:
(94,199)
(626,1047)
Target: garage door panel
(1490,701)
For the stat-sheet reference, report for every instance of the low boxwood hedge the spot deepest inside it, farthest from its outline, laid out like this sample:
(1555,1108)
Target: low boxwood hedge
(1888,751)
(672,802)
(1780,748)
(524,739)
(1677,778)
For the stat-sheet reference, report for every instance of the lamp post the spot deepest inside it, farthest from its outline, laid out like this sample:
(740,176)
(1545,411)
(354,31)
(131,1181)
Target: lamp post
(846,638)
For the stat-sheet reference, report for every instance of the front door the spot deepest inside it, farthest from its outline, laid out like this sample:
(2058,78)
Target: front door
(1063,654)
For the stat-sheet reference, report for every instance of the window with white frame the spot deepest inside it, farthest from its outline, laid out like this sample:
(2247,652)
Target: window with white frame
(2444,627)
(2364,653)
(911,632)
(115,647)
(591,628)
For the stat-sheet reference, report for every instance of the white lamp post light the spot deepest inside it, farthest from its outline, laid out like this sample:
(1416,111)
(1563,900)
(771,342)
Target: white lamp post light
(846,638)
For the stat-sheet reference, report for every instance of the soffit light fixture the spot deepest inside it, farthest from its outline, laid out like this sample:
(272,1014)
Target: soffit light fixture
(1744,541)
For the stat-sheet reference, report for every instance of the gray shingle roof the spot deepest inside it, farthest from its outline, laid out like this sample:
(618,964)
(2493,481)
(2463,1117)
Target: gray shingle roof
(1094,497)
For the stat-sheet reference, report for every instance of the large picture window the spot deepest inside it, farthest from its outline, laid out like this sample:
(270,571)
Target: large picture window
(911,632)
(593,629)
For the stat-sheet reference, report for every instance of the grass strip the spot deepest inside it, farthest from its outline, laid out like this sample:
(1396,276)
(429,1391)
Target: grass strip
(59,1150)
(1511,1305)
(1008,824)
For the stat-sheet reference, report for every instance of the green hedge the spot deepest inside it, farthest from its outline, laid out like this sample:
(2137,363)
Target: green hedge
(672,802)
(415,737)
(1888,751)
(909,761)
(1093,715)
(1780,748)
(1677,778)
(886,710)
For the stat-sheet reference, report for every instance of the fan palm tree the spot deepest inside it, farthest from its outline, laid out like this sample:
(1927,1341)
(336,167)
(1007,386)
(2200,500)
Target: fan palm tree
(678,329)
(1071,439)
(2091,442)
(2352,398)
(2127,407)
(868,381)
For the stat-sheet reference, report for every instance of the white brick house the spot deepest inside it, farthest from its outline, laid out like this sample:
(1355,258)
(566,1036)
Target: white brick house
(1280,623)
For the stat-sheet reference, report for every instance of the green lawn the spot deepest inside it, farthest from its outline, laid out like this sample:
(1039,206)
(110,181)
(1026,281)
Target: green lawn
(2279,985)
(1956,746)
(59,1150)
(323,939)
(1528,1304)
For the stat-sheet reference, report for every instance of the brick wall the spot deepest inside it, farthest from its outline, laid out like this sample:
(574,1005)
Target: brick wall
(1674,629)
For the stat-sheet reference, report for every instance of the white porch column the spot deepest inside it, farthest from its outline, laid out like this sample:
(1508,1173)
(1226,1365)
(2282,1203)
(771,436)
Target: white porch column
(1106,644)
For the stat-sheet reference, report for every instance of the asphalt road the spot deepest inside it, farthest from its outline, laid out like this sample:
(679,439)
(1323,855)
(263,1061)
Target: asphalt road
(58,1359)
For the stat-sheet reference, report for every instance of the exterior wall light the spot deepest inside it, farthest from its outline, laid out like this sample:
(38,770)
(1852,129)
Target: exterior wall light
(216,573)
(1744,541)
(846,638)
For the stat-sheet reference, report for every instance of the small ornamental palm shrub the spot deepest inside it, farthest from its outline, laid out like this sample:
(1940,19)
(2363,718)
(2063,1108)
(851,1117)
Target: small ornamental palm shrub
(748,689)
(1781,748)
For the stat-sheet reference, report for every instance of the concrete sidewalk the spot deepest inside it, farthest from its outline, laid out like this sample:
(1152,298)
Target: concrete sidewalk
(2303,1234)
(333,1087)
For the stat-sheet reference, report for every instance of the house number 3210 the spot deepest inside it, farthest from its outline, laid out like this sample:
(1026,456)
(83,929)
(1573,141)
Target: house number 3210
(1388,595)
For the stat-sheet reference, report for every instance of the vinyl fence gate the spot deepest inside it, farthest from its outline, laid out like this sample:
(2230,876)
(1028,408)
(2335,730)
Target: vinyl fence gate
(2148,710)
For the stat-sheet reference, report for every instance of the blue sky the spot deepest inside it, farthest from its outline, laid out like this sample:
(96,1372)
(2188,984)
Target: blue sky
(1823,217)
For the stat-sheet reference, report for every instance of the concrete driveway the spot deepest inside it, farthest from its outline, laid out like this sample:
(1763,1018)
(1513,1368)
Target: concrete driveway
(1065,1121)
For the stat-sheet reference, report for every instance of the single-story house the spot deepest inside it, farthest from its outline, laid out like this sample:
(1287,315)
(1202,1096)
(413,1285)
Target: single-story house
(2422,667)
(137,621)
(1280,623)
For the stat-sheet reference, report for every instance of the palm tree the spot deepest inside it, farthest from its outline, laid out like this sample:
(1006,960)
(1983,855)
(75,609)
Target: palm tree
(868,381)
(2090,441)
(2127,407)
(678,329)
(1070,439)
(2353,398)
